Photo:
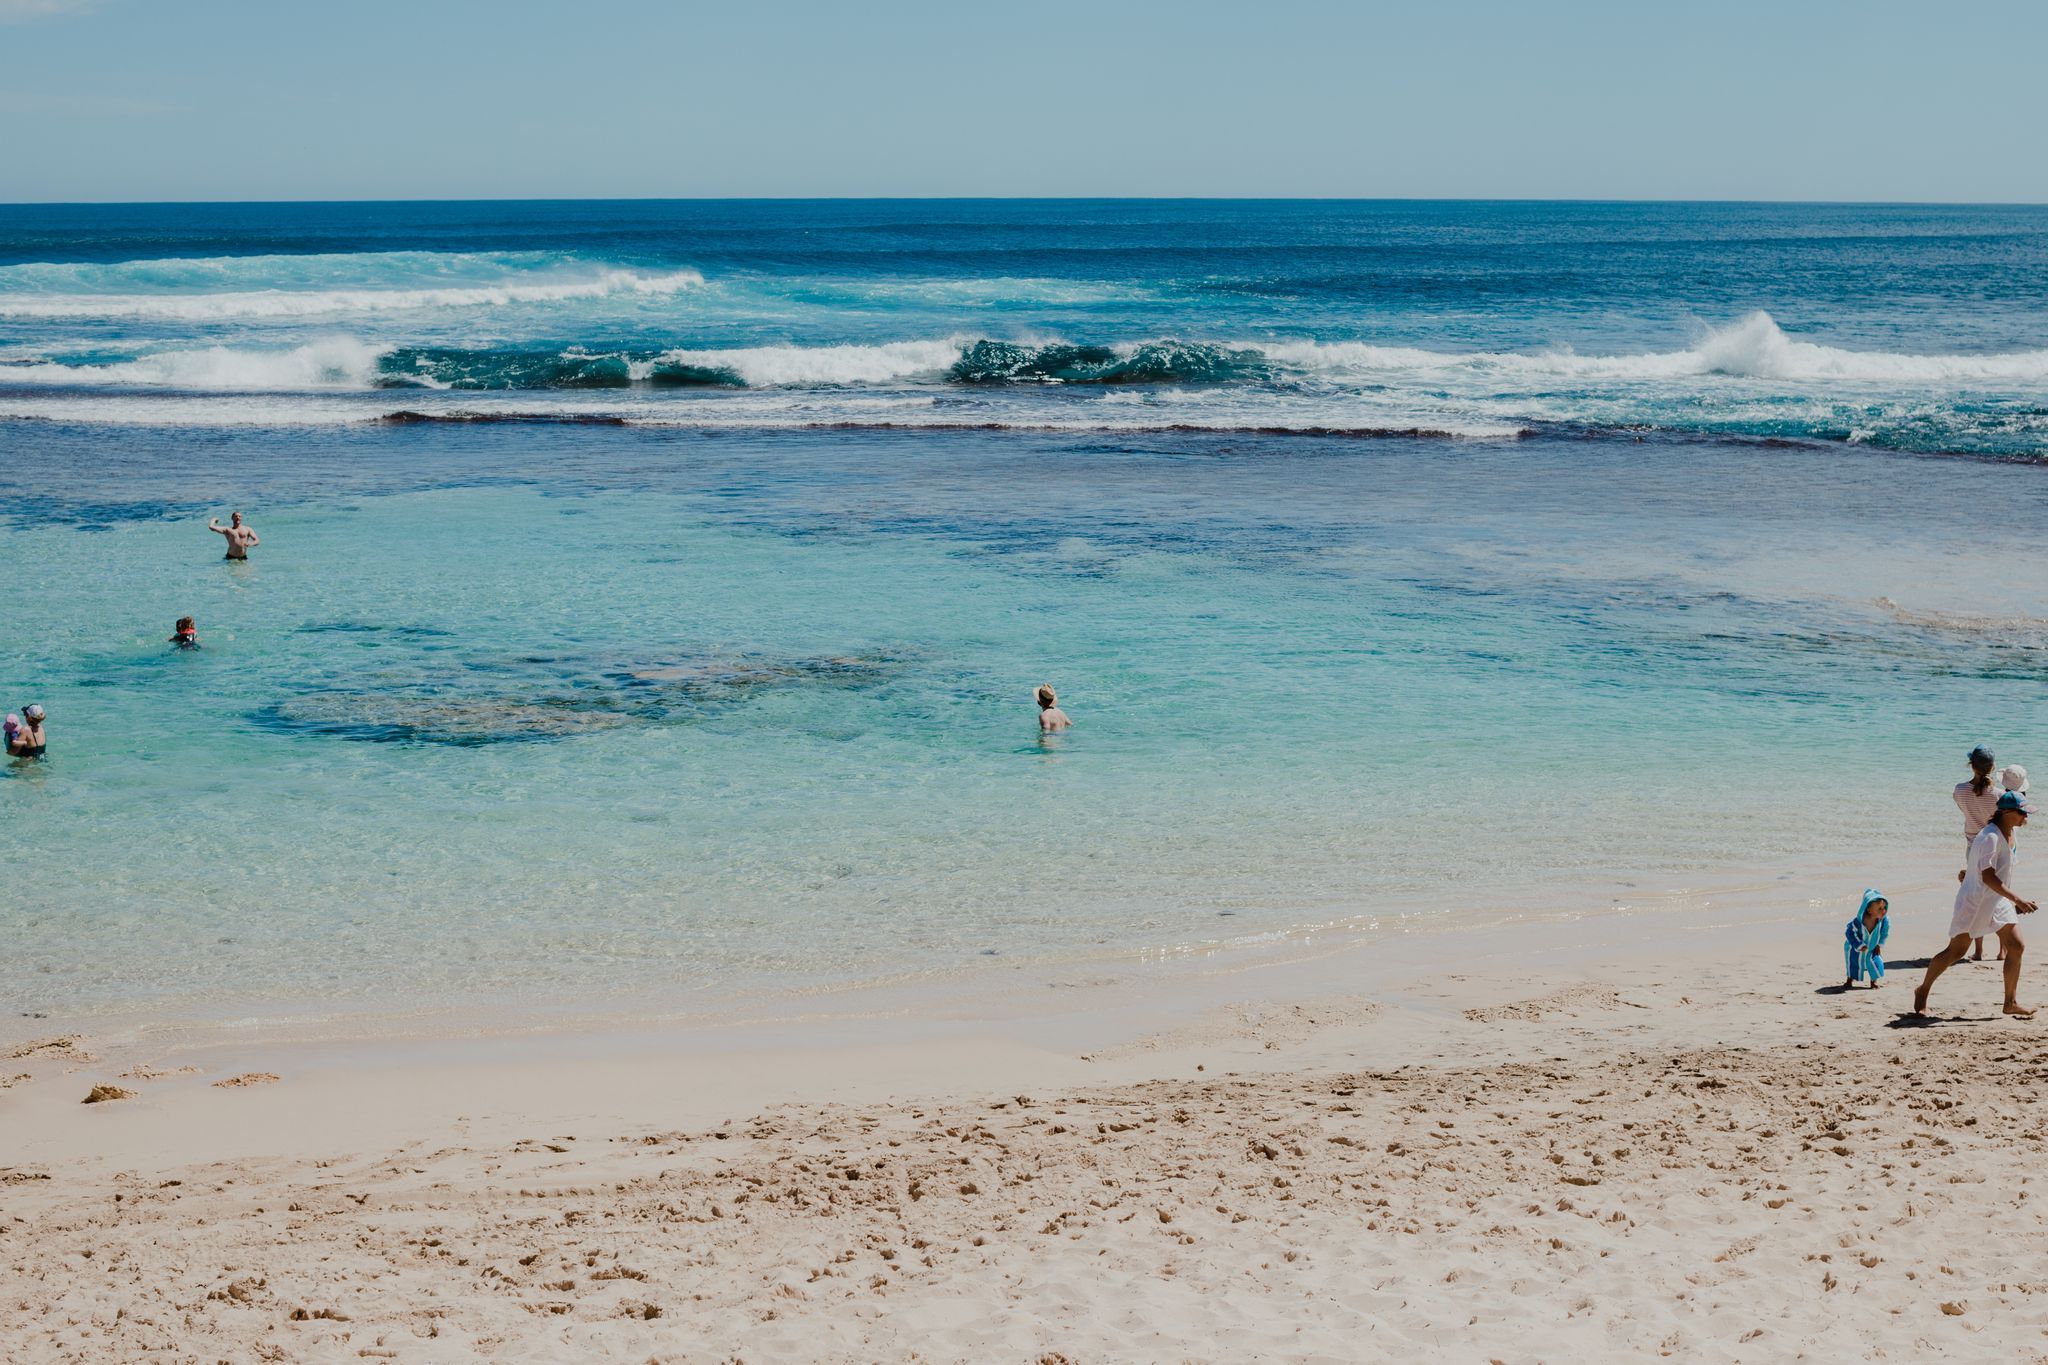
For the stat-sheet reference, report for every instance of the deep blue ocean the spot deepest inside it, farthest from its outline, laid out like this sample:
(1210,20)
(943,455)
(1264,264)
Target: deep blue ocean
(1907,328)
(650,594)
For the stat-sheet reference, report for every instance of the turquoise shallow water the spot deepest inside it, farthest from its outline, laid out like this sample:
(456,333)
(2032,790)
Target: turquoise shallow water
(548,716)
(651,594)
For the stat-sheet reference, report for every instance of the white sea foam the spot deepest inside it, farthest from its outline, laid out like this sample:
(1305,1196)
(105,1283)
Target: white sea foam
(767,409)
(784,366)
(1775,384)
(335,362)
(300,303)
(152,410)
(347,362)
(1753,348)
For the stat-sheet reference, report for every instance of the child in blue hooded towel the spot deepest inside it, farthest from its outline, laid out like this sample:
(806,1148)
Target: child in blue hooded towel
(1863,940)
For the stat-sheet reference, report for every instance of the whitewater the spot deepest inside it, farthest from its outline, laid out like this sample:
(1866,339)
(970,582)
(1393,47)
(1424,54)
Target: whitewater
(1333,319)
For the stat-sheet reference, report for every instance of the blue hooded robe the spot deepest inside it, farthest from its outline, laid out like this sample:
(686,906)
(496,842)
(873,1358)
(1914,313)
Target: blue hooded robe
(1865,949)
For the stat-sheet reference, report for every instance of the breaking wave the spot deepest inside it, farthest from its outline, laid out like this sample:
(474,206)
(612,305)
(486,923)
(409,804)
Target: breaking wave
(1748,380)
(338,362)
(808,366)
(304,303)
(1753,349)
(1151,362)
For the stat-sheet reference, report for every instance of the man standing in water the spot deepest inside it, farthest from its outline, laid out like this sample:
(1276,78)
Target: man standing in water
(1986,903)
(240,537)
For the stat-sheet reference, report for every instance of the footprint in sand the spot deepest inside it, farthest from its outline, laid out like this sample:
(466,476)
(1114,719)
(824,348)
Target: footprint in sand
(1569,1000)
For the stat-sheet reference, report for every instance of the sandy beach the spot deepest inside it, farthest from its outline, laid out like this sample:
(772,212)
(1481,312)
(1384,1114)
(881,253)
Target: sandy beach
(681,690)
(1664,1149)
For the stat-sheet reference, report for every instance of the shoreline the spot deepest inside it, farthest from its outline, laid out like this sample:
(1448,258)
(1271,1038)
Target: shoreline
(1436,1163)
(1068,1003)
(1127,1016)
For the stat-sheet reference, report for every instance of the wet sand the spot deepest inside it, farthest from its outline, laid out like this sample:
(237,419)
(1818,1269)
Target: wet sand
(1655,1153)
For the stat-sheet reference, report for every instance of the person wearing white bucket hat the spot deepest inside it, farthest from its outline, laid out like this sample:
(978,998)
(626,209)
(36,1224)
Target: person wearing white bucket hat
(2014,778)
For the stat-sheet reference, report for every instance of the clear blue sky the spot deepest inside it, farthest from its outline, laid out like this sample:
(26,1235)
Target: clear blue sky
(350,99)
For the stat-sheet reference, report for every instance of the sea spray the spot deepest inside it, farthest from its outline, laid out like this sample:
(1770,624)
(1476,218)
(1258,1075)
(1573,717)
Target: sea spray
(1906,328)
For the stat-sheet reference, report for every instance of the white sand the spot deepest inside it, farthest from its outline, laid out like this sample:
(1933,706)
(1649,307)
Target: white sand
(1680,1153)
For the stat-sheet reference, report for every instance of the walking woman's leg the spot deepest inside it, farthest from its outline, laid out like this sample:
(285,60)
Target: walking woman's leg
(1941,962)
(2011,947)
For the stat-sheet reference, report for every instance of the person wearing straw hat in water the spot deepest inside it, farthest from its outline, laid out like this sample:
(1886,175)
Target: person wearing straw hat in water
(1050,717)
(1987,904)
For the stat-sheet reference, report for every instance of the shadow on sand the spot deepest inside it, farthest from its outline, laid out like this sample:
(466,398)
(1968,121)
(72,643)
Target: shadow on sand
(1938,1020)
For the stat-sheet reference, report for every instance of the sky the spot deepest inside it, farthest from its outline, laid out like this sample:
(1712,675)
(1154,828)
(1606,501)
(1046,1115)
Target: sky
(111,100)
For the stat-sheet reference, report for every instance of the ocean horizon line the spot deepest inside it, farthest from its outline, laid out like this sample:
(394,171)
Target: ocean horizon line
(1311,199)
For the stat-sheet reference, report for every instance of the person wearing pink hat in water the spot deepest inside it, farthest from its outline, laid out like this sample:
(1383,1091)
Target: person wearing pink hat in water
(24,733)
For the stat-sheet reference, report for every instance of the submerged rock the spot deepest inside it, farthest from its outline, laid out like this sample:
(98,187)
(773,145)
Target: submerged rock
(399,717)
(578,696)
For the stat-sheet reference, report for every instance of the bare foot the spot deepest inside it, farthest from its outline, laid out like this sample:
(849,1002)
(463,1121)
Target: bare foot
(1920,1000)
(2019,1011)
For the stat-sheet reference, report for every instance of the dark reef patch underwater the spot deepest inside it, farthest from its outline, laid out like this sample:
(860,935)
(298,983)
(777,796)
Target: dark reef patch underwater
(563,697)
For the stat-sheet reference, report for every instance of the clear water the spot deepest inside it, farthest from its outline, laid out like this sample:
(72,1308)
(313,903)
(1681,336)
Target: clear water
(568,714)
